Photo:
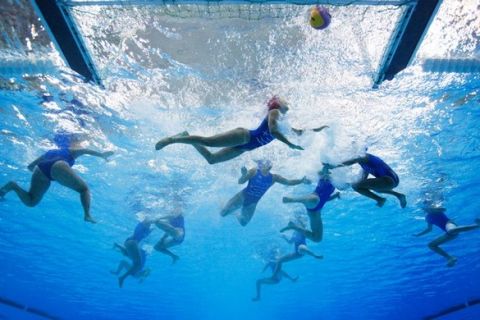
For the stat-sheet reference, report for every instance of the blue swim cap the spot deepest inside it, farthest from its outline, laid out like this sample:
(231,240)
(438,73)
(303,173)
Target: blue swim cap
(264,163)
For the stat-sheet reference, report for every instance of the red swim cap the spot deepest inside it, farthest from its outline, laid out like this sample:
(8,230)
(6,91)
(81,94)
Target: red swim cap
(275,103)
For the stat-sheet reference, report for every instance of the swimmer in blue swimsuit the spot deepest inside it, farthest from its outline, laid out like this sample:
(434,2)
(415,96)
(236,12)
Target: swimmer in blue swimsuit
(436,216)
(259,181)
(56,165)
(314,203)
(277,275)
(142,272)
(384,181)
(131,249)
(240,140)
(174,228)
(299,242)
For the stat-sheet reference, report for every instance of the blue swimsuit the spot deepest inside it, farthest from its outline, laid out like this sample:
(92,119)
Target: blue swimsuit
(142,230)
(438,219)
(256,188)
(378,168)
(258,137)
(51,157)
(178,222)
(298,239)
(323,190)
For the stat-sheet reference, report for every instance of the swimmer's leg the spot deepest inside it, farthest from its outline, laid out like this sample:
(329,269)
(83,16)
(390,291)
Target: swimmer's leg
(287,258)
(286,275)
(62,173)
(400,196)
(121,249)
(305,250)
(163,245)
(363,187)
(309,200)
(230,138)
(224,154)
(316,225)
(169,229)
(122,265)
(458,229)
(247,214)
(434,246)
(134,254)
(261,282)
(38,186)
(232,204)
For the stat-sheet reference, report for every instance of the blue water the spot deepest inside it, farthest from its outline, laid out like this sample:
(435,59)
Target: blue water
(424,125)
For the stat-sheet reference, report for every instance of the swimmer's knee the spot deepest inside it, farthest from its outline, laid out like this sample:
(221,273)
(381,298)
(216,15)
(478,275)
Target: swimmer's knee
(432,245)
(83,188)
(243,222)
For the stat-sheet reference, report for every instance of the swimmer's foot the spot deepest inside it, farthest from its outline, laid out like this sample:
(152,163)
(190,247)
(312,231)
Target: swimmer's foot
(477,221)
(403,200)
(120,282)
(165,142)
(6,189)
(175,259)
(451,262)
(88,218)
(256,299)
(381,202)
(318,257)
(290,226)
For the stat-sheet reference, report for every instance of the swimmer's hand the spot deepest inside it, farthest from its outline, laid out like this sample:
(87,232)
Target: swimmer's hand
(336,195)
(244,171)
(328,166)
(320,128)
(31,167)
(295,147)
(106,154)
(305,180)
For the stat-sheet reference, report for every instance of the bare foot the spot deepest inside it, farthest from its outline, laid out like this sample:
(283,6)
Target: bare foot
(381,202)
(5,189)
(403,201)
(89,219)
(290,226)
(318,257)
(477,221)
(175,259)
(165,142)
(451,262)
(256,299)
(120,282)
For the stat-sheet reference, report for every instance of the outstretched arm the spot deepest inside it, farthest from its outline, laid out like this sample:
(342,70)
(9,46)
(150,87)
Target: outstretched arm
(80,152)
(273,117)
(427,230)
(336,195)
(287,182)
(353,161)
(246,175)
(32,165)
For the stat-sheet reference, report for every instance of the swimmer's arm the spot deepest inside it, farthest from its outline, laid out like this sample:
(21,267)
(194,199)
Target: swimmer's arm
(32,165)
(350,162)
(336,195)
(289,240)
(427,230)
(265,267)
(246,175)
(273,117)
(287,182)
(80,152)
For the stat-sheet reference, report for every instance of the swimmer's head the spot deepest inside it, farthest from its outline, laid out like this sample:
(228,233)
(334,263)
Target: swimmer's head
(63,140)
(325,172)
(320,18)
(277,103)
(264,165)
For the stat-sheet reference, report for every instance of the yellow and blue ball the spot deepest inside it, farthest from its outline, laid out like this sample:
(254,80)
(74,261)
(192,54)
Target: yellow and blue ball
(320,18)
